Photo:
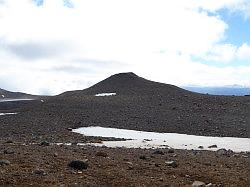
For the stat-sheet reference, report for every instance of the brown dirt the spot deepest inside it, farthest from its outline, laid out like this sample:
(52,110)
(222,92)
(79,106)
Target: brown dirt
(122,167)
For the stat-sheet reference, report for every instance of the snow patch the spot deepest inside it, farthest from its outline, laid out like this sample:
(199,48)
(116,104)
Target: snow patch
(142,139)
(10,100)
(104,94)
(3,114)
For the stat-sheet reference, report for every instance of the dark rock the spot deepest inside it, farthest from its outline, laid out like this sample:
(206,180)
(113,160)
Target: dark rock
(40,172)
(161,179)
(45,143)
(158,152)
(100,153)
(224,152)
(212,146)
(201,147)
(171,163)
(171,151)
(157,165)
(4,162)
(147,140)
(8,151)
(9,141)
(195,152)
(143,157)
(79,164)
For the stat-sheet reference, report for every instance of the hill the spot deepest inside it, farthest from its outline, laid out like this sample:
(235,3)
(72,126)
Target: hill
(4,94)
(140,104)
(128,84)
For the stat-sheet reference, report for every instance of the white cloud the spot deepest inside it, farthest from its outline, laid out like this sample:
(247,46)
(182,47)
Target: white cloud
(227,53)
(221,53)
(234,6)
(45,47)
(243,52)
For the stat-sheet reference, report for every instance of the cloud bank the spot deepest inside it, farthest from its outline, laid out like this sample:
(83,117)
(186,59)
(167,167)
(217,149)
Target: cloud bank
(50,46)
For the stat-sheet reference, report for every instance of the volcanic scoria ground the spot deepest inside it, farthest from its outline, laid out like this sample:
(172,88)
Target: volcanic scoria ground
(27,139)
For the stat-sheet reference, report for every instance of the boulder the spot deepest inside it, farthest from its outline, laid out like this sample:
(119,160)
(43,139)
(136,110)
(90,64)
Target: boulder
(224,152)
(212,146)
(171,163)
(158,152)
(143,157)
(79,164)
(4,162)
(100,153)
(44,143)
(198,184)
(171,151)
(8,151)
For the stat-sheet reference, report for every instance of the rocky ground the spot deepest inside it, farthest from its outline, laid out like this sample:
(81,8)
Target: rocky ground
(41,165)
(140,105)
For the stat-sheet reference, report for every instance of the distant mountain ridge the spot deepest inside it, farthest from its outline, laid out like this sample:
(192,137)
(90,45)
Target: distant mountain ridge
(225,90)
(4,94)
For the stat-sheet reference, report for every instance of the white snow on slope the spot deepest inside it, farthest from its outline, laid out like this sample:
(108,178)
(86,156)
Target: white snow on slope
(3,114)
(10,100)
(105,94)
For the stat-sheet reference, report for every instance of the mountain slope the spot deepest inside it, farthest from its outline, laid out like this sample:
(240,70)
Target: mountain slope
(4,94)
(138,105)
(128,84)
(141,104)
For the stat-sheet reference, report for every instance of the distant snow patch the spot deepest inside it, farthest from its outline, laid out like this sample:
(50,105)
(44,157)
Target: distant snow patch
(3,96)
(10,100)
(3,114)
(104,94)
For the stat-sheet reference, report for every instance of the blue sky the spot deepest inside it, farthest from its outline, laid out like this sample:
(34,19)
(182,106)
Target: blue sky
(238,27)
(237,34)
(67,3)
(50,46)
(238,31)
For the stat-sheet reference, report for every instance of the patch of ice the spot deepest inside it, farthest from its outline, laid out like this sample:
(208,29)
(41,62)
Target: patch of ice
(104,94)
(161,140)
(3,114)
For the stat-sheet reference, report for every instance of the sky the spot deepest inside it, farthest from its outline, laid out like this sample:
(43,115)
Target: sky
(51,46)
